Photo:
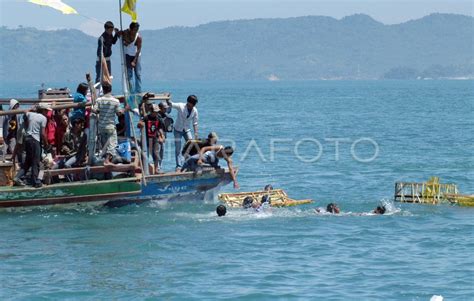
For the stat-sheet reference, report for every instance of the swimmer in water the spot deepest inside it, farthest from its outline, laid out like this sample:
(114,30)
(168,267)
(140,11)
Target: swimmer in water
(247,203)
(330,208)
(266,198)
(265,204)
(221,210)
(251,203)
(380,210)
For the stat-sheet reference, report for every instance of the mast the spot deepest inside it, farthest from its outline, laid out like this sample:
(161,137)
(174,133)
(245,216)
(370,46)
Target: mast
(130,129)
(125,84)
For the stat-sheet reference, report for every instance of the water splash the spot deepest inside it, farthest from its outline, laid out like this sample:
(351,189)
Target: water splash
(390,207)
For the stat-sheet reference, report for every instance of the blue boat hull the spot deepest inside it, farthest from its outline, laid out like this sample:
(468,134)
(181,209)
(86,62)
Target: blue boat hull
(175,186)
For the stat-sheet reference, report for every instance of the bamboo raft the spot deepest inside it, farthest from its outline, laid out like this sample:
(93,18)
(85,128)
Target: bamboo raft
(431,192)
(278,197)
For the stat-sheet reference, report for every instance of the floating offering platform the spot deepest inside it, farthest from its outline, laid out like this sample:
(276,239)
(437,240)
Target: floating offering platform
(431,192)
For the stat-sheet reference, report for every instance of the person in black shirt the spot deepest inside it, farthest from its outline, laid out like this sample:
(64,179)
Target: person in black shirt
(155,137)
(107,39)
(163,114)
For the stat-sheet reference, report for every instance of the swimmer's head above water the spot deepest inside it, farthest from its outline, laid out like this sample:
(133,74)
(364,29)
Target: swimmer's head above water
(248,201)
(332,208)
(380,210)
(268,187)
(221,210)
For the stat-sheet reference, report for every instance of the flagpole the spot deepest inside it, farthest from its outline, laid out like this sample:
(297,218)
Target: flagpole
(126,93)
(120,11)
(101,57)
(124,78)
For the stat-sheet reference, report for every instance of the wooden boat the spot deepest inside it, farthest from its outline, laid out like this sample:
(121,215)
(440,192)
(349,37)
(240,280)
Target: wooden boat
(116,192)
(91,191)
(130,188)
(87,191)
(278,197)
(135,187)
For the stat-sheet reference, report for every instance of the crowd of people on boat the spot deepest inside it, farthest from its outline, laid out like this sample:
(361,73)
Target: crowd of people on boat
(61,138)
(58,139)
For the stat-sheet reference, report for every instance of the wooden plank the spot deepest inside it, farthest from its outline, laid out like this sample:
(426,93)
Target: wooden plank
(31,101)
(54,107)
(93,169)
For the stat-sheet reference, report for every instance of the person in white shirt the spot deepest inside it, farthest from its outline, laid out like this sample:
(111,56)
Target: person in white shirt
(132,42)
(186,113)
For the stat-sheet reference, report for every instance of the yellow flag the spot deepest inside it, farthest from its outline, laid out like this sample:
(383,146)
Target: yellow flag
(130,7)
(56,4)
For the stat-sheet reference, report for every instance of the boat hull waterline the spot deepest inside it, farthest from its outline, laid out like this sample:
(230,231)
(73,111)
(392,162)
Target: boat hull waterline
(117,192)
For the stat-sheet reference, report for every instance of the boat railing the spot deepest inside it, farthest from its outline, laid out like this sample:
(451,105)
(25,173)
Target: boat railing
(132,168)
(69,100)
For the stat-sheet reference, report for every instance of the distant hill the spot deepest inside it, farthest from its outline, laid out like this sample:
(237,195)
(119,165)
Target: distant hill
(314,47)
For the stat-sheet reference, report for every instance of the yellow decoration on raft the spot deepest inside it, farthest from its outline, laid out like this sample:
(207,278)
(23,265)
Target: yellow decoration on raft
(278,197)
(130,7)
(56,4)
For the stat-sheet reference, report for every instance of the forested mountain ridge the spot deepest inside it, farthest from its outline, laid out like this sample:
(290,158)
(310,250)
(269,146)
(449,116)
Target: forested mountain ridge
(313,47)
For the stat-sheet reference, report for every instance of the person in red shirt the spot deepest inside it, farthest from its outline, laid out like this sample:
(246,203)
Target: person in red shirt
(51,130)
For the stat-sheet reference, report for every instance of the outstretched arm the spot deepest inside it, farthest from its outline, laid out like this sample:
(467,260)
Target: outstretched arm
(233,173)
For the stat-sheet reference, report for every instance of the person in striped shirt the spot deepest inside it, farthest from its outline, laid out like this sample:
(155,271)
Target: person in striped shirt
(107,107)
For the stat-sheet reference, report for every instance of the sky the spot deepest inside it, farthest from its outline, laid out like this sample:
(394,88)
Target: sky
(156,14)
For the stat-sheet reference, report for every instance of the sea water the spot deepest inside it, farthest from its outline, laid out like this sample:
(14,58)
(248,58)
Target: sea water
(331,141)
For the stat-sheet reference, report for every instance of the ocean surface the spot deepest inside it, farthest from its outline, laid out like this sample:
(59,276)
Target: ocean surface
(331,141)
